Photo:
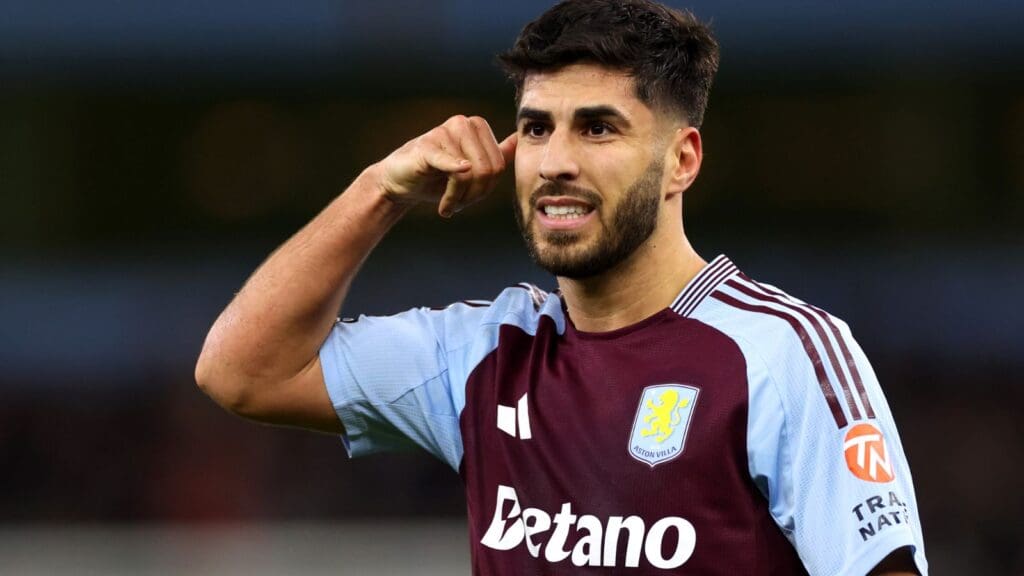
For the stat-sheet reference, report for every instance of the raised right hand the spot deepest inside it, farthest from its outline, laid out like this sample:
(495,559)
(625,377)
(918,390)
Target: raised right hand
(455,165)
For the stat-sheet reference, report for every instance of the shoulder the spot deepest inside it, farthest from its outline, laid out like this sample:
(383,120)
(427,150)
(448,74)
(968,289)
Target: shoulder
(800,347)
(777,333)
(773,321)
(522,305)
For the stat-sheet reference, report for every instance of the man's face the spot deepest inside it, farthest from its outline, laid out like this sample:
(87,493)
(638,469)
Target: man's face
(589,169)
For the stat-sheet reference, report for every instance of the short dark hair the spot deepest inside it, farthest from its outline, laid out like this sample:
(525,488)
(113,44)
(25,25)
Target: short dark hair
(671,55)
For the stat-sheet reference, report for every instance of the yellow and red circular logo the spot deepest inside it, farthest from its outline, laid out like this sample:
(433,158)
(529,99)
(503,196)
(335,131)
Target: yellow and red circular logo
(867,455)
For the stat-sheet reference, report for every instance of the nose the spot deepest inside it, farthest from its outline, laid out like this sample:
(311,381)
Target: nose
(559,160)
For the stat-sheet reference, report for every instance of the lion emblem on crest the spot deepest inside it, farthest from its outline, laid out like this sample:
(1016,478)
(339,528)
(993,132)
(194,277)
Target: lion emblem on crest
(662,421)
(664,416)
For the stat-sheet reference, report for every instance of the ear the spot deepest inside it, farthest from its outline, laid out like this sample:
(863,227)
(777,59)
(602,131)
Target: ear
(684,155)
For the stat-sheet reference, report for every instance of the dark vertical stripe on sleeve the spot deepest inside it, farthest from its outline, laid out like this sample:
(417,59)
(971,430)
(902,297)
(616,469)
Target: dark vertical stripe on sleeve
(805,339)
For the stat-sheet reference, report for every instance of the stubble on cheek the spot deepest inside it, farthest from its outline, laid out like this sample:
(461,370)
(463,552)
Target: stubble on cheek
(574,255)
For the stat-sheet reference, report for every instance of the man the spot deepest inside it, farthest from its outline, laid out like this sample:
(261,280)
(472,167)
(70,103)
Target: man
(658,414)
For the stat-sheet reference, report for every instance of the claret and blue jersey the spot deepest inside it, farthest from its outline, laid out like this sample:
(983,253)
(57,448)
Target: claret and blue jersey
(738,431)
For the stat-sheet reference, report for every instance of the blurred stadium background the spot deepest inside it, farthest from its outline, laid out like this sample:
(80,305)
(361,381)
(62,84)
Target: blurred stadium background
(867,157)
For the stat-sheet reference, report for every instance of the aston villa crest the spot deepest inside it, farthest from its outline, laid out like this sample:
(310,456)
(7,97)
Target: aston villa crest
(661,422)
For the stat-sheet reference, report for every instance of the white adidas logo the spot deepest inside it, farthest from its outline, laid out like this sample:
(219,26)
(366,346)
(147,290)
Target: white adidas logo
(507,419)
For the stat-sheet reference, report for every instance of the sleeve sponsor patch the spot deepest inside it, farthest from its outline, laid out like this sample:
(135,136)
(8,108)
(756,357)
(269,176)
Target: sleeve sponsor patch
(867,455)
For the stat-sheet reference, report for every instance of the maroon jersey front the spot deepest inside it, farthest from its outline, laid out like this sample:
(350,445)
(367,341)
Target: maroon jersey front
(718,436)
(555,485)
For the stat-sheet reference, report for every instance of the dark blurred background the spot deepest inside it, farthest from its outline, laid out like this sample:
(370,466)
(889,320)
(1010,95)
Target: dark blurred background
(868,158)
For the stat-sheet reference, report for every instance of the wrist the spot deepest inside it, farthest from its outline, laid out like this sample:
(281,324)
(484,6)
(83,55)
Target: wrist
(371,182)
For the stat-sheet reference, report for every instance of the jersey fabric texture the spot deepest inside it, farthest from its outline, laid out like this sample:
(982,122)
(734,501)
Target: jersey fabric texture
(739,431)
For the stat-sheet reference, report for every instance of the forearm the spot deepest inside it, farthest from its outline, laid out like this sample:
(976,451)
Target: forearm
(260,358)
(277,322)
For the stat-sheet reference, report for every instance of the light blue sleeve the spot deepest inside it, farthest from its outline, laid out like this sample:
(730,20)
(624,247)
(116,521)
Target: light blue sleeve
(389,378)
(842,499)
(400,381)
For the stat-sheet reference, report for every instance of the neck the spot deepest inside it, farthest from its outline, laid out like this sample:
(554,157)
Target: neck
(635,289)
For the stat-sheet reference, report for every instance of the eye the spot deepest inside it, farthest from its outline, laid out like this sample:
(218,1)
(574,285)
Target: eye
(534,129)
(599,129)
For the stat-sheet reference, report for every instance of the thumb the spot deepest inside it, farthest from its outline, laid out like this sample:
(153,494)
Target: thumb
(508,148)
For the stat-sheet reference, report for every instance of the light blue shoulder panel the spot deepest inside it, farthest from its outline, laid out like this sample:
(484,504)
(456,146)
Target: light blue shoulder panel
(399,381)
(839,524)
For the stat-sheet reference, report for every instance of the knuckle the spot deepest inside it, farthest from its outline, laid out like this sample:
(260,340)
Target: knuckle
(457,122)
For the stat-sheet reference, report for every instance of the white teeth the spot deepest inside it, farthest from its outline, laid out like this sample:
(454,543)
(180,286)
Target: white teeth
(565,211)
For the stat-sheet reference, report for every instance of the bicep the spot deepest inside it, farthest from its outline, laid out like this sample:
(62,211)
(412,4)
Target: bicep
(301,401)
(851,498)
(389,381)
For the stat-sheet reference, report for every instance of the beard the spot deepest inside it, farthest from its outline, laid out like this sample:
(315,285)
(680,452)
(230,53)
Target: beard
(632,224)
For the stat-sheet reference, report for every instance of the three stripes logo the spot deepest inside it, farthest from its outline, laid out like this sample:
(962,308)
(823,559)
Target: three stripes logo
(867,455)
(830,355)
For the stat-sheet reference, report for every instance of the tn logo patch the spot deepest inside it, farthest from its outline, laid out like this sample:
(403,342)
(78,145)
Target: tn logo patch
(867,455)
(661,422)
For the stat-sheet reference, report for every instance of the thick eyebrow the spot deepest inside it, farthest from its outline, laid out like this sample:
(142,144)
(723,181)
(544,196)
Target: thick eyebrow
(603,112)
(581,115)
(533,114)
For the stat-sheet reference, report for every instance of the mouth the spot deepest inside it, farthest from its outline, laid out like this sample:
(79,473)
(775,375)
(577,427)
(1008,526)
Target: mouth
(563,212)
